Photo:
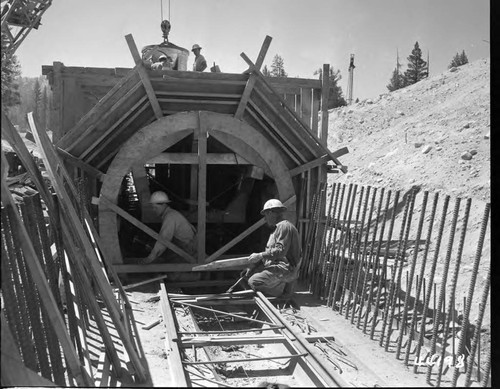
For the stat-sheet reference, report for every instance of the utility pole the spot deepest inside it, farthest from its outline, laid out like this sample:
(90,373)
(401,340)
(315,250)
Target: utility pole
(351,80)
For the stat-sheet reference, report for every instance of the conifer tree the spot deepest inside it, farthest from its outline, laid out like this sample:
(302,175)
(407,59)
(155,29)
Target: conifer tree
(265,71)
(11,72)
(278,67)
(458,60)
(335,95)
(397,80)
(417,67)
(37,99)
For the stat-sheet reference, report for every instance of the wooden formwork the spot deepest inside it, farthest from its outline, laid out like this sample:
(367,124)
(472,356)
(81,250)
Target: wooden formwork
(40,270)
(188,124)
(188,348)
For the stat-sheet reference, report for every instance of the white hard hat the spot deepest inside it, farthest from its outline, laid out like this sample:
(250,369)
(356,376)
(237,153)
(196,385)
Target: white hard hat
(196,46)
(159,198)
(273,204)
(163,56)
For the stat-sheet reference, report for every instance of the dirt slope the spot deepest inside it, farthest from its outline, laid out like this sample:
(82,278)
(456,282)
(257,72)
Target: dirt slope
(417,135)
(436,135)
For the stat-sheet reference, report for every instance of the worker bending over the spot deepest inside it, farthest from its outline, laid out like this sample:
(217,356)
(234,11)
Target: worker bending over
(278,265)
(175,228)
(200,64)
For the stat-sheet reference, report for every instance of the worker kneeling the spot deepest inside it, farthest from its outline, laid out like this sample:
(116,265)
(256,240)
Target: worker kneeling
(278,265)
(175,228)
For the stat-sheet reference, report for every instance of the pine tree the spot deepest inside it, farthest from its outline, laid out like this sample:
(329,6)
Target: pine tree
(397,80)
(278,67)
(463,58)
(265,71)
(11,72)
(37,98)
(335,95)
(458,60)
(417,67)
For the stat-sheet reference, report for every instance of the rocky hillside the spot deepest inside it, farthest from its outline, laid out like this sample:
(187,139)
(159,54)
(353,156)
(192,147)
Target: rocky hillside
(435,134)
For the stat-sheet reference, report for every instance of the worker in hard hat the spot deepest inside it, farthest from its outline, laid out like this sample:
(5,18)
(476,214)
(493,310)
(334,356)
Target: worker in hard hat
(164,63)
(174,228)
(280,262)
(200,64)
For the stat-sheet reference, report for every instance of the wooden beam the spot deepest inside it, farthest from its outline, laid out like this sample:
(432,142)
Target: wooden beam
(60,179)
(115,131)
(46,297)
(273,132)
(153,267)
(171,340)
(325,91)
(317,162)
(293,114)
(141,184)
(244,234)
(115,208)
(98,128)
(230,263)
(74,134)
(144,76)
(96,173)
(192,159)
(202,186)
(252,79)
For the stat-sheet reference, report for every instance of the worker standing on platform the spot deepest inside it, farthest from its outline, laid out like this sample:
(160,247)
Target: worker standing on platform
(200,64)
(175,228)
(278,265)
(164,63)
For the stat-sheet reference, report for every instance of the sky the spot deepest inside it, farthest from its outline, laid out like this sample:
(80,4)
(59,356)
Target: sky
(305,33)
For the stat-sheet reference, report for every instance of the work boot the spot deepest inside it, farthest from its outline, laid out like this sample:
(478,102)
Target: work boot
(289,289)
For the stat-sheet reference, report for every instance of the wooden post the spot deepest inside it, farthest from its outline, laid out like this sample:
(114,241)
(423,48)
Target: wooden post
(144,76)
(202,186)
(325,91)
(252,79)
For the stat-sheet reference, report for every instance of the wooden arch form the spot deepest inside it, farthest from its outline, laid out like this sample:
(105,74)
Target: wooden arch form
(154,138)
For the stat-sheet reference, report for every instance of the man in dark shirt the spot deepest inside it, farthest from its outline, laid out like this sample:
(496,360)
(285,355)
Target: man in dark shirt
(280,262)
(200,64)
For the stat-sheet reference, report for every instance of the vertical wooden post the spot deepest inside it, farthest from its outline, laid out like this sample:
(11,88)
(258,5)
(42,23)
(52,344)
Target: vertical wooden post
(57,101)
(325,90)
(202,185)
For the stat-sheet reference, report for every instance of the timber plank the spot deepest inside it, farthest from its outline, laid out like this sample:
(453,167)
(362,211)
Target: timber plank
(70,216)
(98,145)
(45,293)
(258,111)
(140,120)
(192,159)
(113,113)
(144,76)
(202,184)
(201,87)
(171,340)
(252,79)
(325,91)
(93,115)
(293,115)
(306,105)
(288,131)
(96,173)
(318,162)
